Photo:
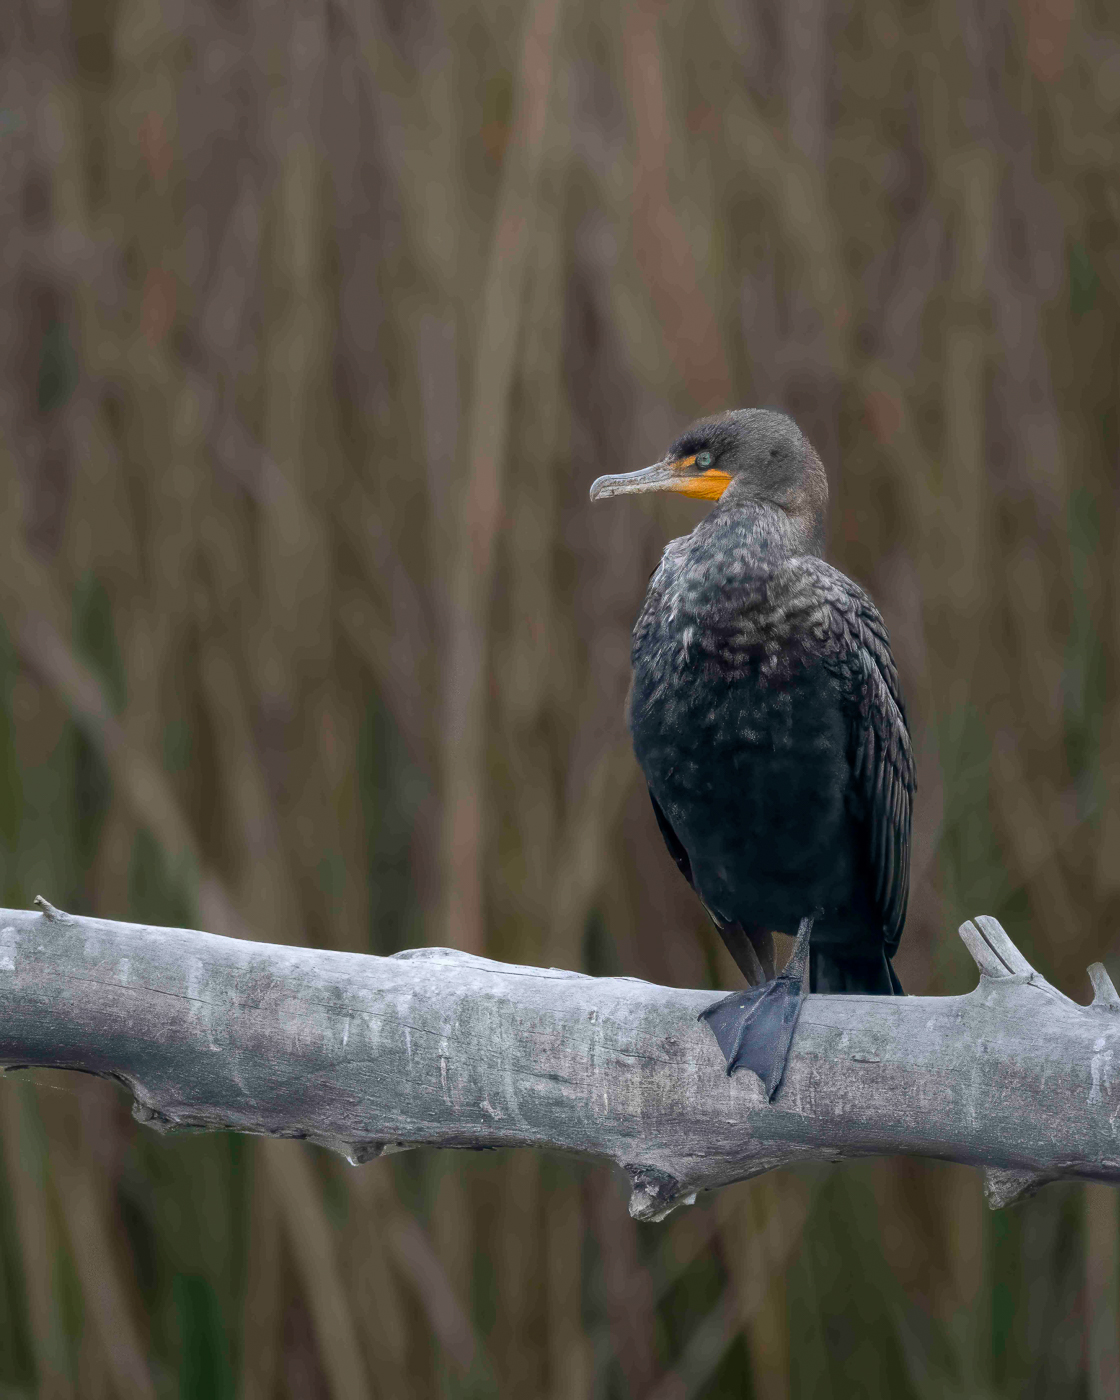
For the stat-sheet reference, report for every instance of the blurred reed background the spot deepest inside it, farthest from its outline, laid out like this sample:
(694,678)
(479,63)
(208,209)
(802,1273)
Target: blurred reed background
(318,320)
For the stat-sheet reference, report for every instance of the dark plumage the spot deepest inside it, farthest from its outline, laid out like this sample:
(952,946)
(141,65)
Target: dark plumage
(767,717)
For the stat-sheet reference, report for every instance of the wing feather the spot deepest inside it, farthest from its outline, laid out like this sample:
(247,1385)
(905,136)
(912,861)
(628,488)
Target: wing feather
(672,841)
(857,650)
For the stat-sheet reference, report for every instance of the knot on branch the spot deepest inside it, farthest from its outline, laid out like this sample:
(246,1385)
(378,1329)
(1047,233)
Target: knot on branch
(995,954)
(656,1193)
(55,916)
(999,959)
(1104,993)
(1004,1186)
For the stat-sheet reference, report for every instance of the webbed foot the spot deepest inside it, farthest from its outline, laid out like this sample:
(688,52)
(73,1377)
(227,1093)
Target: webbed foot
(754,1028)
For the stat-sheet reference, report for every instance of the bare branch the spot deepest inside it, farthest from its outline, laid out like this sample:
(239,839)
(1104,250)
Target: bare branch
(434,1047)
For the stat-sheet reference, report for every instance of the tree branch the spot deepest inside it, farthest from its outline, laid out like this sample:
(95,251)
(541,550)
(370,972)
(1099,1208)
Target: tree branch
(370,1055)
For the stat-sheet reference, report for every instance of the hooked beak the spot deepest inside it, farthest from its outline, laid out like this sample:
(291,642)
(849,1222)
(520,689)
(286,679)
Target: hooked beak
(680,476)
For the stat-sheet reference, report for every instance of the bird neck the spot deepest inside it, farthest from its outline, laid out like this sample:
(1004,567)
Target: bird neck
(781,510)
(766,528)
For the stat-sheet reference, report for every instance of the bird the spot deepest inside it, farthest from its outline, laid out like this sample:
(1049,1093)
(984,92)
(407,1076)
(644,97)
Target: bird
(766,714)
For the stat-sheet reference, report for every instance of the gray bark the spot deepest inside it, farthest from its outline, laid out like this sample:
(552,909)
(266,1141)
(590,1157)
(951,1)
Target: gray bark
(369,1055)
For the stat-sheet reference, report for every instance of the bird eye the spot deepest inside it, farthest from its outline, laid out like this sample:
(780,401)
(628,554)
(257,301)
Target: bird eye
(703,459)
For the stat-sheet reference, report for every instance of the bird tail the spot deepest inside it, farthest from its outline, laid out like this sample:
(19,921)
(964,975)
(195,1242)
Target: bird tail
(829,972)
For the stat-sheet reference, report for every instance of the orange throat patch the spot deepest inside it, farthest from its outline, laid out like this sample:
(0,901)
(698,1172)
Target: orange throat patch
(702,486)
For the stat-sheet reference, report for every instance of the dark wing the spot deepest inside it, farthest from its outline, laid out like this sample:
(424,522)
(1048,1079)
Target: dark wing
(857,649)
(650,608)
(672,840)
(755,961)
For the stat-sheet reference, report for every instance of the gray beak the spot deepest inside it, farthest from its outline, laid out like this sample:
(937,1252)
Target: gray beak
(660,477)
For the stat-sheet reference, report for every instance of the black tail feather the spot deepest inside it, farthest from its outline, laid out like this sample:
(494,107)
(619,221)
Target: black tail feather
(829,972)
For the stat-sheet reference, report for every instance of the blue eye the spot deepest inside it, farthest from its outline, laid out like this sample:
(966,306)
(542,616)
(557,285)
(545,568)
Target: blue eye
(703,459)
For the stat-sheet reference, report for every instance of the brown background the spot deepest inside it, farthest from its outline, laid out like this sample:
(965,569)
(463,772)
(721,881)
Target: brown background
(318,319)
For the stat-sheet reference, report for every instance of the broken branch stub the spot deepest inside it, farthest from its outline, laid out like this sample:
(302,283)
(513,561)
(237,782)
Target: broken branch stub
(432,1047)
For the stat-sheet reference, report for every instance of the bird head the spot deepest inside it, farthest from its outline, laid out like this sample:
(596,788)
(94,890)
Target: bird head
(747,454)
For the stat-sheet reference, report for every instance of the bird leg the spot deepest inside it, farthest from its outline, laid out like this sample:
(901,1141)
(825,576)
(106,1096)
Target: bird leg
(752,947)
(762,941)
(754,1028)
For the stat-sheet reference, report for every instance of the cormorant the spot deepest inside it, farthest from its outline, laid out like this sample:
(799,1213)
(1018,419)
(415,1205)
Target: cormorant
(766,715)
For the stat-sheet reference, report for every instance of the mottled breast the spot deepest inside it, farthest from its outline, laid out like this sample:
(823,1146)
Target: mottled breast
(739,724)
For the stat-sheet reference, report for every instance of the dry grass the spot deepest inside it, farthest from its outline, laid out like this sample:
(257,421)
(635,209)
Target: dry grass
(318,321)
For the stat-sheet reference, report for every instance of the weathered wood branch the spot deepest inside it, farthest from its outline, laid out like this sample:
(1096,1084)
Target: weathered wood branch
(370,1055)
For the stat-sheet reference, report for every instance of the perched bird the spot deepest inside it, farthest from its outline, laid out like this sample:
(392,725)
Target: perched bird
(766,715)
